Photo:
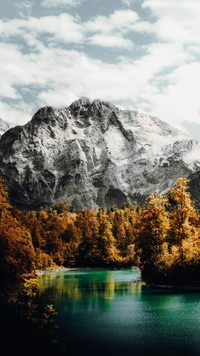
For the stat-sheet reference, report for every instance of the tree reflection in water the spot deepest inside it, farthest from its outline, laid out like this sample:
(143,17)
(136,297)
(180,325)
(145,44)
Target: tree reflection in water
(89,287)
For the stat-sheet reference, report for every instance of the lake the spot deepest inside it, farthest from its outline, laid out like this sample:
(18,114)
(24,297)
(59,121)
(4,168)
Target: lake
(111,312)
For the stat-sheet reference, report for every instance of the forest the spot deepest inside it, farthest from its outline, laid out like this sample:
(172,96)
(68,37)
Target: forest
(161,238)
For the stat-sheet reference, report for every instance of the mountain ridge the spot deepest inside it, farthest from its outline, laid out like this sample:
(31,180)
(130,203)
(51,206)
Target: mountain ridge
(91,154)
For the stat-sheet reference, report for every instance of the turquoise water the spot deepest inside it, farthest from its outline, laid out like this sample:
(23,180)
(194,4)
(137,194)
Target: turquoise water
(111,312)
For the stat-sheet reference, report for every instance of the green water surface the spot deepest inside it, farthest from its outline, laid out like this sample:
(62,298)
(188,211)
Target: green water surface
(111,312)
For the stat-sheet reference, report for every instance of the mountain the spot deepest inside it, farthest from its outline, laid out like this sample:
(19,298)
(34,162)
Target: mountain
(92,154)
(4,126)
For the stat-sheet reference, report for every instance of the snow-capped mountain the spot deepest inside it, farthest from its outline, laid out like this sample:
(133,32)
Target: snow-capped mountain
(92,154)
(4,126)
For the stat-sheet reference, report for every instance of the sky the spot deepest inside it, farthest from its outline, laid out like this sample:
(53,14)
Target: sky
(140,55)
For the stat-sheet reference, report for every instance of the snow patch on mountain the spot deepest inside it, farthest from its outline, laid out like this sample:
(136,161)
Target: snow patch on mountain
(92,154)
(4,126)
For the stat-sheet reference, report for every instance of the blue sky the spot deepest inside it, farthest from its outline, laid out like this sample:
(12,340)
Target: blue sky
(138,54)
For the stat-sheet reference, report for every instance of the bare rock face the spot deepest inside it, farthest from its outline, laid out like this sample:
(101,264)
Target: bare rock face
(91,154)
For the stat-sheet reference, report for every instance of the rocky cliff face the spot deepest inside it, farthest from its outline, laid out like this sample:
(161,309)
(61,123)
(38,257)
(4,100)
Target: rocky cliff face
(91,154)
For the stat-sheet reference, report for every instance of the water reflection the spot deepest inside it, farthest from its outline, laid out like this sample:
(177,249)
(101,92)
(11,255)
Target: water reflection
(90,287)
(114,313)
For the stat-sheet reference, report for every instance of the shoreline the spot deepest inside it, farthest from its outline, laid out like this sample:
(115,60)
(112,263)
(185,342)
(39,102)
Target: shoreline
(65,269)
(52,269)
(173,287)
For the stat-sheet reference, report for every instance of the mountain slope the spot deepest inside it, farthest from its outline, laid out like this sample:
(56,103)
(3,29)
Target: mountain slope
(4,126)
(91,154)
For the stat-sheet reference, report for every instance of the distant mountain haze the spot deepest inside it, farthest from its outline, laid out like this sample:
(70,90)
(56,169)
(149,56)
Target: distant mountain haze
(92,154)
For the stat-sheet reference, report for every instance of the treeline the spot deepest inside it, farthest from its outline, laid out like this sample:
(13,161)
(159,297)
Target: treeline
(95,238)
(161,238)
(168,240)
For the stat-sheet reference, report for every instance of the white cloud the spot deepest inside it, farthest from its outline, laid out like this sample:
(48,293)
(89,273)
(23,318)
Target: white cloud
(63,27)
(61,3)
(127,2)
(7,91)
(11,72)
(120,20)
(60,98)
(108,31)
(61,76)
(115,41)
(17,114)
(177,21)
(57,76)
(24,7)
(180,100)
(143,27)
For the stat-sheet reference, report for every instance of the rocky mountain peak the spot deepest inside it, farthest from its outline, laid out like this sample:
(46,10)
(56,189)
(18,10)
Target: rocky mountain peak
(92,154)
(82,102)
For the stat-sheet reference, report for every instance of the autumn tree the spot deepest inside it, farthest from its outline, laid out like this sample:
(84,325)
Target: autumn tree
(54,230)
(132,218)
(183,255)
(87,223)
(124,233)
(108,254)
(153,228)
(17,254)
(119,232)
(71,239)
(183,218)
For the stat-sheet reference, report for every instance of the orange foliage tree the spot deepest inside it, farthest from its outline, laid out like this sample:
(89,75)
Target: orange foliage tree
(17,254)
